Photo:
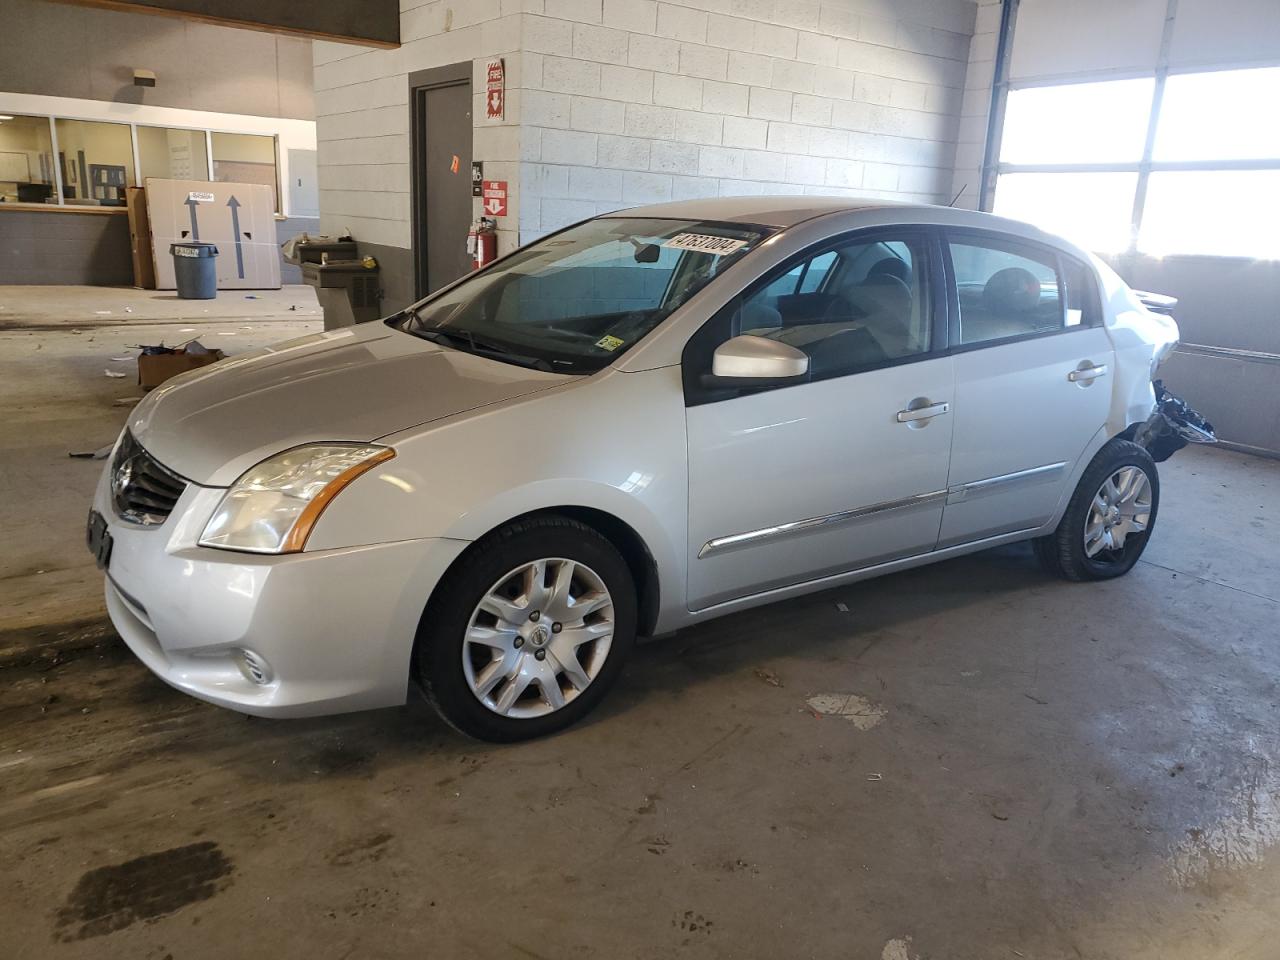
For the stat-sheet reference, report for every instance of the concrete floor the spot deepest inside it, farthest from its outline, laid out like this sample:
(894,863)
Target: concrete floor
(968,760)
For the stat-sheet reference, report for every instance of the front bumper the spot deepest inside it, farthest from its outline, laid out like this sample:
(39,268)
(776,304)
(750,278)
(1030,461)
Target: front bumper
(327,632)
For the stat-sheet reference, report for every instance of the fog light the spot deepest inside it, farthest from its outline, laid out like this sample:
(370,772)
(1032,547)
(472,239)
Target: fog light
(254,667)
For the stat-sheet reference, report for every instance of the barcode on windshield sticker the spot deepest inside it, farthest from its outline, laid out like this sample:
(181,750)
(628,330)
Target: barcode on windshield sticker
(705,243)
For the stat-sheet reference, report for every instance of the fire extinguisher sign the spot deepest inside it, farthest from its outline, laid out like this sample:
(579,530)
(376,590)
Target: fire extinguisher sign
(495,198)
(495,90)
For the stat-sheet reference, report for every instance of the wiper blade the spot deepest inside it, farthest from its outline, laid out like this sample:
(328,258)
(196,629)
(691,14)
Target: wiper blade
(465,340)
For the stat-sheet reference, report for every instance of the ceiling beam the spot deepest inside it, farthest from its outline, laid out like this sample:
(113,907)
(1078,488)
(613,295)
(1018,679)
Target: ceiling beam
(374,23)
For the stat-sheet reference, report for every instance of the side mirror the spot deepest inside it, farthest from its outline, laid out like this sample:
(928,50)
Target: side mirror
(758,358)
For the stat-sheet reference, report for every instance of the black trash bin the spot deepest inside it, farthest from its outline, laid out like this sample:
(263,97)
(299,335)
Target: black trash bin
(195,268)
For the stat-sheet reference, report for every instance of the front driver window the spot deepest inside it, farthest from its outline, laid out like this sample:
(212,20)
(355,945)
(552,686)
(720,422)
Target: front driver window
(849,307)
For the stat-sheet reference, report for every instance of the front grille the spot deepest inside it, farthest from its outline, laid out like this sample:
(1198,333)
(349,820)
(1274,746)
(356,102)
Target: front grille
(142,489)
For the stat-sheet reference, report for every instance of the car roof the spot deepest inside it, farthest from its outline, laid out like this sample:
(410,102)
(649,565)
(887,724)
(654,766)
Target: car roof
(787,211)
(770,211)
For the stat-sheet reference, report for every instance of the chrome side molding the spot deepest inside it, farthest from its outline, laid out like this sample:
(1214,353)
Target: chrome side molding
(753,537)
(1050,472)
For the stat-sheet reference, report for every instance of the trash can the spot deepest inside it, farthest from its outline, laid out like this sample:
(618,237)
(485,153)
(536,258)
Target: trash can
(195,268)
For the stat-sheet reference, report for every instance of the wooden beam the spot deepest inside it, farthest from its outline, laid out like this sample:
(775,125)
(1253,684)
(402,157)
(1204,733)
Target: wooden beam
(371,23)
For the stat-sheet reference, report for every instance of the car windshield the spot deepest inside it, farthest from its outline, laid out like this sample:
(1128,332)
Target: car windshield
(574,301)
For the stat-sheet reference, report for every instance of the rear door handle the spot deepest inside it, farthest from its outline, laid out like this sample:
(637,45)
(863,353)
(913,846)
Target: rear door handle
(923,413)
(1085,374)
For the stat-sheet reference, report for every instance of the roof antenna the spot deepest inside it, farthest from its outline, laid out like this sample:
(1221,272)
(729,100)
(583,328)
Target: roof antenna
(957,196)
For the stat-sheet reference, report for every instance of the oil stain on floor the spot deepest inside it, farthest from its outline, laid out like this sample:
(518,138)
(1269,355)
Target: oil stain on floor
(111,898)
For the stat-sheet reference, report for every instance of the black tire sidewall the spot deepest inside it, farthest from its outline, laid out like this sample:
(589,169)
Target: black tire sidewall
(1114,456)
(438,651)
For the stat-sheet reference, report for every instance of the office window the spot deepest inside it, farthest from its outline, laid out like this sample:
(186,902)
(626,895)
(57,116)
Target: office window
(245,158)
(1077,123)
(97,161)
(170,154)
(1228,115)
(26,160)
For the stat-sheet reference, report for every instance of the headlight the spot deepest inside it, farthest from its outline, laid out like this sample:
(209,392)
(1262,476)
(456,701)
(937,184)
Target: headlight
(273,506)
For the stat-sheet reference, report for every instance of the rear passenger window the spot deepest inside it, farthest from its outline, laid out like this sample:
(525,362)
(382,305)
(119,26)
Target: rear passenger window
(1005,290)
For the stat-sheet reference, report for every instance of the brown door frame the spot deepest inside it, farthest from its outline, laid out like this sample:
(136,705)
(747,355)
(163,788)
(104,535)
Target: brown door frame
(420,81)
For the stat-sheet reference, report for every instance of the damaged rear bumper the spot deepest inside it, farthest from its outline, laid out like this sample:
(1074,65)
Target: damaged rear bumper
(1171,426)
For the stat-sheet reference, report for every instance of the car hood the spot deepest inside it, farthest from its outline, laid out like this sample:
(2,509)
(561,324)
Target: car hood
(355,384)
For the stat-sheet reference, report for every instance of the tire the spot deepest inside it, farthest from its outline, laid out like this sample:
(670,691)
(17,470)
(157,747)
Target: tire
(1114,536)
(502,686)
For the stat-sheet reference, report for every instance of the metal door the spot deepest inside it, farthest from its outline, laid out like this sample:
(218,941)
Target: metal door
(442,133)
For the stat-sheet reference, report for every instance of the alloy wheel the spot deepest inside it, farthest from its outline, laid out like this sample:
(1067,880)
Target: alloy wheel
(538,638)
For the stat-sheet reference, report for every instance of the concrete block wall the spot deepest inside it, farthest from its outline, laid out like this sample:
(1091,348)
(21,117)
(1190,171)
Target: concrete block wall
(637,101)
(975,105)
(363,124)
(615,103)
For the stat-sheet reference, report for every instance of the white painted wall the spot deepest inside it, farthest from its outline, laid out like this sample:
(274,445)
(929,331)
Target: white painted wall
(292,134)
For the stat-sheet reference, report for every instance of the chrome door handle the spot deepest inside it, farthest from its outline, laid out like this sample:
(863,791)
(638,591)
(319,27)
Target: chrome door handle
(923,413)
(1085,374)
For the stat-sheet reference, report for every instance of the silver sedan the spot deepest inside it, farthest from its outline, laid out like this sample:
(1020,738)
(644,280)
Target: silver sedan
(638,423)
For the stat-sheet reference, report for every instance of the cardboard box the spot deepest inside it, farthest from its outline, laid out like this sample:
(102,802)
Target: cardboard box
(155,368)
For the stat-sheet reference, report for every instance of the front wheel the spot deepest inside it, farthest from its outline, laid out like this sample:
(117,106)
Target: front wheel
(528,632)
(1109,518)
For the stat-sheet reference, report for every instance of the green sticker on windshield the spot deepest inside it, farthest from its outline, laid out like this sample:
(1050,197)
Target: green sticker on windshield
(609,342)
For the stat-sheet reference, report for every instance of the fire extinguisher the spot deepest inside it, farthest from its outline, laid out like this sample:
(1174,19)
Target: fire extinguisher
(482,242)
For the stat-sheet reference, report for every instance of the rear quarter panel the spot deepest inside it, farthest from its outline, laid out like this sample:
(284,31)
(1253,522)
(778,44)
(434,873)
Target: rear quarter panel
(1138,336)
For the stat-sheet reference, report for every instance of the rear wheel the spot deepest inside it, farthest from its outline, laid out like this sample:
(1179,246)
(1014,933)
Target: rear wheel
(526,635)
(1109,518)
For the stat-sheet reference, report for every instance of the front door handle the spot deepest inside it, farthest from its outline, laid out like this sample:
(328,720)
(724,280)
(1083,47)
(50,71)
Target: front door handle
(912,414)
(1083,374)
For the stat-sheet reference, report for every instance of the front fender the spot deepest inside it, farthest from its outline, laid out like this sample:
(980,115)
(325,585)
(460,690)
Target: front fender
(613,442)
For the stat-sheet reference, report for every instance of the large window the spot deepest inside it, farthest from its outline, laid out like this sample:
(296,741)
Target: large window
(1187,163)
(245,158)
(26,160)
(169,154)
(97,161)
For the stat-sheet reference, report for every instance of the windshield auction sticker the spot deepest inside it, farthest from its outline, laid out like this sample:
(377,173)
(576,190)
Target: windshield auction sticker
(609,342)
(705,243)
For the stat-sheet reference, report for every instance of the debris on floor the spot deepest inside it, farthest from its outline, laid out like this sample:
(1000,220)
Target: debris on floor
(768,676)
(158,363)
(899,949)
(859,711)
(100,454)
(115,374)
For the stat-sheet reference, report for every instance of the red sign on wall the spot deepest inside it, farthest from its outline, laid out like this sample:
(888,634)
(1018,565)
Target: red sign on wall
(496,90)
(495,198)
